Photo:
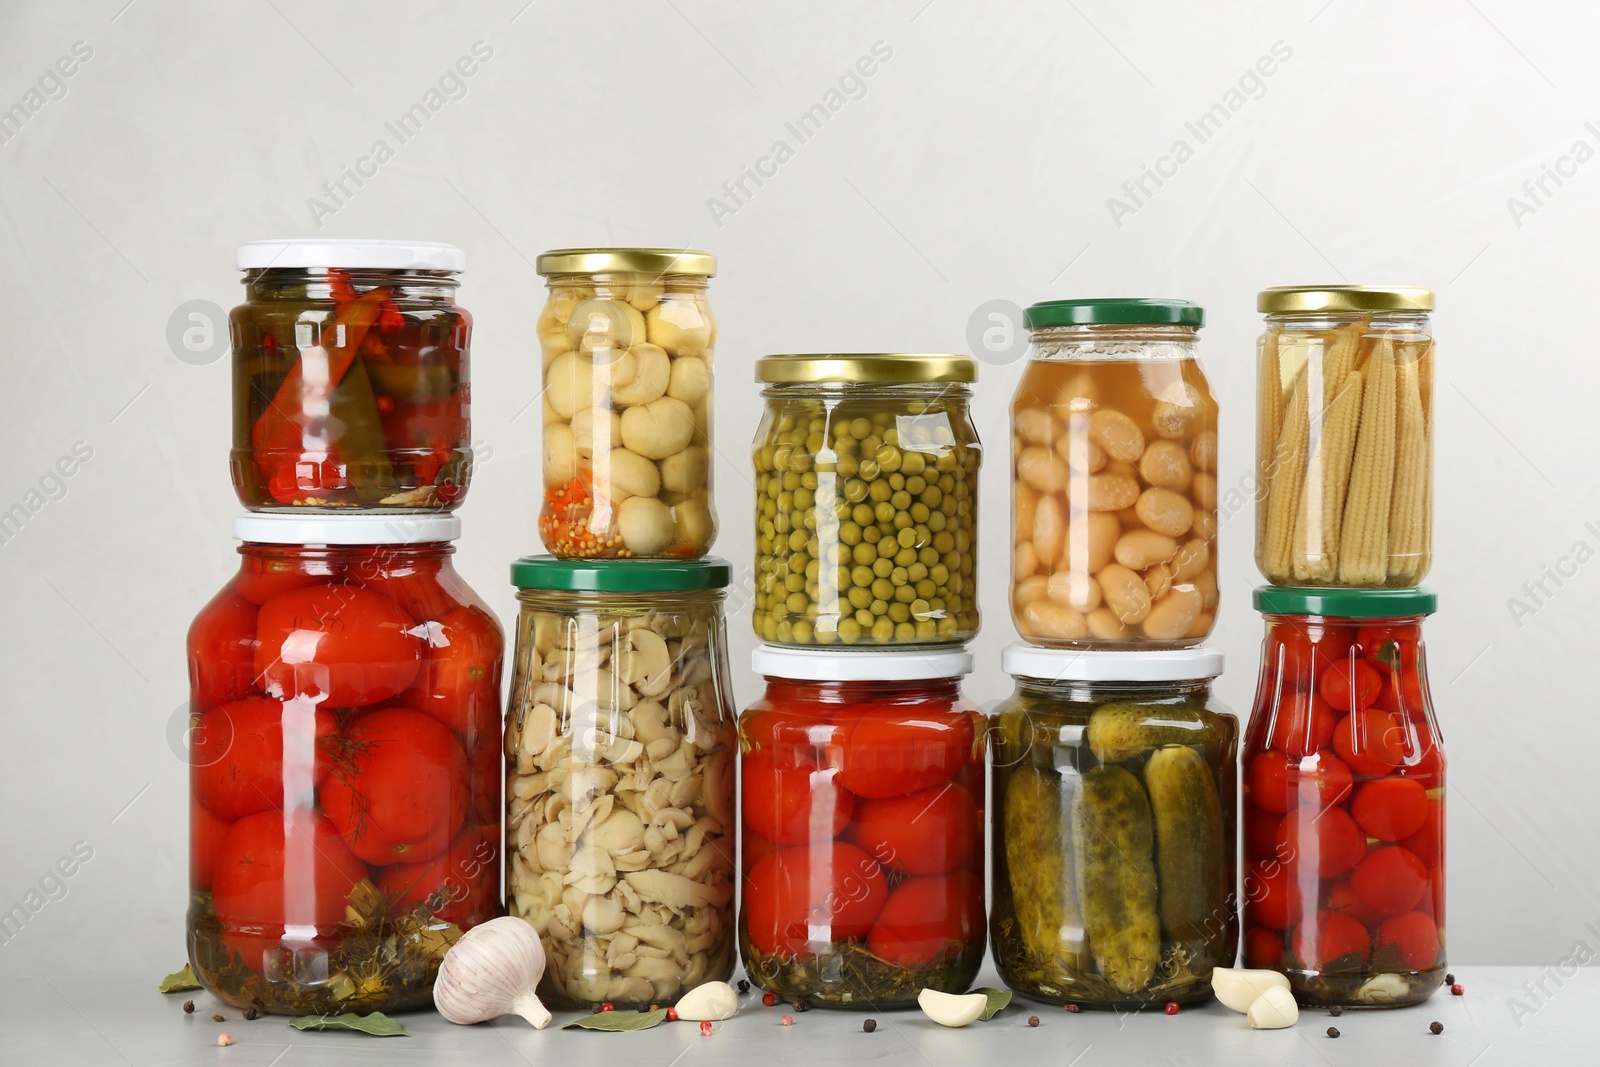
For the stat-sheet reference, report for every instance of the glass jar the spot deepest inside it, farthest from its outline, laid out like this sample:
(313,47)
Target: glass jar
(345,765)
(350,384)
(621,744)
(862,790)
(1344,790)
(866,500)
(627,338)
(1114,486)
(1114,782)
(1344,436)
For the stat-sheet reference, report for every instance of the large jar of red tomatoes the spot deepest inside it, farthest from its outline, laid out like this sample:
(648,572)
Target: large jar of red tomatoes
(350,384)
(1114,783)
(1344,791)
(345,765)
(863,788)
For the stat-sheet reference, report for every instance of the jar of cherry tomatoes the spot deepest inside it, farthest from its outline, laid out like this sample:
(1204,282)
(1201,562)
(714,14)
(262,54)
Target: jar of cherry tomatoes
(1114,782)
(862,788)
(1344,790)
(345,765)
(350,384)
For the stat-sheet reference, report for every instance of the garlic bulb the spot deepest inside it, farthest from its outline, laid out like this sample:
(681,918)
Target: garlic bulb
(493,971)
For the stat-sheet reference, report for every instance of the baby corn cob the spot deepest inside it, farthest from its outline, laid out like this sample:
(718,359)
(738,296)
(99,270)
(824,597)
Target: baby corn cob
(1317,527)
(1288,460)
(1363,539)
(1269,423)
(1406,534)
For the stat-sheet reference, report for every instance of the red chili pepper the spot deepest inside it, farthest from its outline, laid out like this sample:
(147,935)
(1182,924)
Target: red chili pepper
(276,430)
(339,287)
(390,320)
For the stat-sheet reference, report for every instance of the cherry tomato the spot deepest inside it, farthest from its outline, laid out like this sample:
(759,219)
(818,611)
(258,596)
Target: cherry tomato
(1329,941)
(266,879)
(460,670)
(1271,897)
(925,919)
(1372,742)
(1426,762)
(1414,937)
(831,890)
(350,646)
(928,832)
(222,655)
(461,885)
(1263,948)
(1268,782)
(1428,842)
(1298,652)
(398,791)
(239,759)
(1341,897)
(1351,684)
(1320,845)
(790,800)
(787,727)
(1302,723)
(1391,879)
(1391,808)
(488,773)
(891,750)
(262,577)
(1261,834)
(1321,781)
(206,832)
(412,584)
(307,476)
(753,849)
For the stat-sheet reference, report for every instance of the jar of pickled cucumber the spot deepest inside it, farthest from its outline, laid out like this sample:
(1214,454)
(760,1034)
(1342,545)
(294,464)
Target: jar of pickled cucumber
(866,500)
(1114,478)
(1113,815)
(626,338)
(862,797)
(350,376)
(1344,436)
(622,751)
(1344,799)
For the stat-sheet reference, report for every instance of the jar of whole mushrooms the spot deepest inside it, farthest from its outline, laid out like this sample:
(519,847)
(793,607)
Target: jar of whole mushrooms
(1344,436)
(1114,478)
(627,337)
(622,748)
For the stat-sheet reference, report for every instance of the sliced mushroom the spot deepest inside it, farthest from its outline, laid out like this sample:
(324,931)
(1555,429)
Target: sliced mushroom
(676,891)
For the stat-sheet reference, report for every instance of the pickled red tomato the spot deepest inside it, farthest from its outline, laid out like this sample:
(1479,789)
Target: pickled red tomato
(262,577)
(1298,653)
(930,831)
(833,890)
(348,645)
(238,758)
(1320,845)
(925,918)
(1261,835)
(1351,684)
(790,725)
(206,832)
(458,672)
(1277,783)
(1303,722)
(1328,939)
(1428,842)
(1267,783)
(1263,948)
(460,885)
(788,799)
(1271,897)
(1322,780)
(1391,808)
(398,792)
(891,750)
(1391,879)
(222,665)
(1414,938)
(1372,742)
(1341,897)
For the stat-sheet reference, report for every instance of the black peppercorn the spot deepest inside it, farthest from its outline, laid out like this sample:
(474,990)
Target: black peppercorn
(252,1014)
(1033,1020)
(870,1025)
(216,1018)
(188,1007)
(1336,1011)
(1436,1028)
(744,987)
(801,1005)
(1074,1008)
(1449,979)
(1333,1031)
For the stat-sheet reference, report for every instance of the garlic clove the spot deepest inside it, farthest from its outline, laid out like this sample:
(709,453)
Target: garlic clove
(951,1009)
(1274,1009)
(1238,987)
(709,1001)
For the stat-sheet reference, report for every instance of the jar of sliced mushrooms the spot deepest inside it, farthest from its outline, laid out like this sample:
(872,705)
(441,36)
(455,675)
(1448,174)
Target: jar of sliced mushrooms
(626,337)
(622,748)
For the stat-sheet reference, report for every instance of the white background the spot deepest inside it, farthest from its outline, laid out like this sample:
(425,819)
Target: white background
(975,166)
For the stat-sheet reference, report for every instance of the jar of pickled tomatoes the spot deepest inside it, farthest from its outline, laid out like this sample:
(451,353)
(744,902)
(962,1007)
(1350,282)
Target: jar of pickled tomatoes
(627,337)
(345,765)
(350,376)
(1344,799)
(862,779)
(1114,478)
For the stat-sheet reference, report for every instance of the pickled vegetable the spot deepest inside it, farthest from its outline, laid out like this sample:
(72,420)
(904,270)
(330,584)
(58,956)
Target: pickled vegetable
(1189,847)
(1035,802)
(1113,838)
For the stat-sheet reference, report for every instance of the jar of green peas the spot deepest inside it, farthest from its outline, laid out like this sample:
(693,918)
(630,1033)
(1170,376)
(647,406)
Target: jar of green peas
(866,500)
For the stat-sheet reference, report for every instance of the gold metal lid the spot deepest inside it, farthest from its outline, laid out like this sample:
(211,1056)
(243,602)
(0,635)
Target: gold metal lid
(1290,299)
(627,261)
(861,368)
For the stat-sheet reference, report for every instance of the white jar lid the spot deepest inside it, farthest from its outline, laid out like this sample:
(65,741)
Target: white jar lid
(1072,665)
(364,529)
(888,665)
(302,252)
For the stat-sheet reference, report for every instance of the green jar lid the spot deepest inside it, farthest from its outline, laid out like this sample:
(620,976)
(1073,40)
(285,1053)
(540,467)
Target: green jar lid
(1130,311)
(620,575)
(1345,603)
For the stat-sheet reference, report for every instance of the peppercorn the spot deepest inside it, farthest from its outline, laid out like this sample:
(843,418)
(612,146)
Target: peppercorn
(216,1018)
(1336,1011)
(1449,979)
(252,1014)
(1333,1031)
(672,1015)
(769,998)
(1457,990)
(869,1026)
(1033,1020)
(787,1020)
(705,1027)
(188,1007)
(1436,1027)
(1074,1008)
(744,987)
(1171,1008)
(594,1009)
(608,1006)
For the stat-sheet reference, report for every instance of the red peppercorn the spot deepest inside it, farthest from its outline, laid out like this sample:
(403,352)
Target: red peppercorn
(787,1020)
(672,1015)
(1457,989)
(769,999)
(608,1006)
(705,1027)
(1074,1008)
(1171,1008)
(1033,1020)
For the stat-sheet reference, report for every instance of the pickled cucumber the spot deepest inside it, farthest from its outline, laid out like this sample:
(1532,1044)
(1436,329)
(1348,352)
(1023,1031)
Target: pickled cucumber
(1113,839)
(1190,850)
(1124,731)
(1041,887)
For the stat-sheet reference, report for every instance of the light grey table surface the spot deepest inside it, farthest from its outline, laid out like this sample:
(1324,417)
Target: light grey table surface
(121,1019)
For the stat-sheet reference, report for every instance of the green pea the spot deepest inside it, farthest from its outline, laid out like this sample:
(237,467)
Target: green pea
(850,533)
(884,512)
(897,481)
(889,457)
(946,461)
(883,631)
(862,576)
(859,598)
(866,618)
(812,569)
(849,631)
(864,554)
(814,442)
(882,567)
(899,612)
(855,491)
(904,594)
(915,485)
(803,497)
(939,573)
(943,541)
(905,632)
(900,500)
(902,521)
(928,555)
(879,492)
(898,576)
(947,626)
(905,557)
(917,571)
(914,463)
(869,469)
(871,534)
(879,607)
(862,515)
(927,630)
(907,536)
(883,589)
(797,603)
(785,632)
(794,583)
(860,428)
(919,512)
(769,629)
(848,466)
(798,539)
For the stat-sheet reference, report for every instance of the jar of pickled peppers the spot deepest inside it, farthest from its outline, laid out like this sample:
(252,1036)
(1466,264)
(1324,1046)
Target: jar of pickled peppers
(350,376)
(626,340)
(1114,781)
(1344,436)
(862,811)
(866,500)
(345,765)
(1344,799)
